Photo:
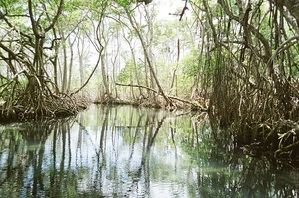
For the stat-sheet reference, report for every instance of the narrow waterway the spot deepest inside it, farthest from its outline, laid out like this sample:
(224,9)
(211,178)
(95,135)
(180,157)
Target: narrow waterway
(124,151)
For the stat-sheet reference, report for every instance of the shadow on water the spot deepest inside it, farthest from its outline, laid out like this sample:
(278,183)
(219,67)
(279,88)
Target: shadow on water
(131,152)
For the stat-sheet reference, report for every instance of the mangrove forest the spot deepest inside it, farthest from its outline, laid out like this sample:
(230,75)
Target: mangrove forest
(149,98)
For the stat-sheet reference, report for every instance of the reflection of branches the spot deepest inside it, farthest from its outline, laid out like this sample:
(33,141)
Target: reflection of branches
(145,153)
(12,145)
(59,174)
(30,140)
(83,128)
(173,131)
(135,137)
(103,130)
(151,141)
(37,169)
(113,130)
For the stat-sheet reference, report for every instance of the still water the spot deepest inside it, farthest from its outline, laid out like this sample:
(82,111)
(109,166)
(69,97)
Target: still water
(132,152)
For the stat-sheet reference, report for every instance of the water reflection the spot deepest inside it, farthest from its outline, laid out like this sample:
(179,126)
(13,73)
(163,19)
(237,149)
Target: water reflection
(131,152)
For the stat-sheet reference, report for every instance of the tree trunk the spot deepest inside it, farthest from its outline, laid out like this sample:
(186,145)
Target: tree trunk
(134,25)
(65,64)
(71,44)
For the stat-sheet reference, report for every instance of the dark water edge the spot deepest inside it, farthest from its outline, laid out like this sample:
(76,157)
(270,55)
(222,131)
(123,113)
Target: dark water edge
(124,151)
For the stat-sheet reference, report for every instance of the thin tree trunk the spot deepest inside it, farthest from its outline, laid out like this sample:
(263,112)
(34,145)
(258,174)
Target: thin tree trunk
(103,61)
(71,44)
(65,64)
(135,65)
(80,56)
(147,57)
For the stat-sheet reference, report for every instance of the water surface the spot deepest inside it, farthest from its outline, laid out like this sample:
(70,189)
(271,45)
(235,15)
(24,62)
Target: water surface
(132,152)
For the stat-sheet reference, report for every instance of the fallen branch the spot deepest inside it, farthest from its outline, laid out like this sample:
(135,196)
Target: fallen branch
(150,89)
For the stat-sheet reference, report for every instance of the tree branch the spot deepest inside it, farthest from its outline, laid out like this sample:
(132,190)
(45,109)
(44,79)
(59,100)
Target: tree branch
(150,89)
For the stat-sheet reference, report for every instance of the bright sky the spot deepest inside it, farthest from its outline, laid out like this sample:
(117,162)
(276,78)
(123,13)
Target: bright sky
(165,7)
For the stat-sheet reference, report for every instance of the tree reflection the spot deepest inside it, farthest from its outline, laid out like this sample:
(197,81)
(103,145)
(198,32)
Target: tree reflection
(25,148)
(224,171)
(125,151)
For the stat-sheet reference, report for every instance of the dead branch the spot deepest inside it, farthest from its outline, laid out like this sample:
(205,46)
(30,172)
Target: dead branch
(150,89)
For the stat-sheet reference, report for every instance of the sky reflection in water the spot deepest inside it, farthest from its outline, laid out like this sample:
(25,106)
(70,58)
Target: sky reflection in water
(131,152)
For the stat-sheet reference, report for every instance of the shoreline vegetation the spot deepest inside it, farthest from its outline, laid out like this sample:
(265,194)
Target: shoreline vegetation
(156,100)
(250,144)
(51,108)
(66,105)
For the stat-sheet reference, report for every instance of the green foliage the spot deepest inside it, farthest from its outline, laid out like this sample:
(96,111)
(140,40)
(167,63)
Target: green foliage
(8,4)
(127,74)
(192,63)
(124,3)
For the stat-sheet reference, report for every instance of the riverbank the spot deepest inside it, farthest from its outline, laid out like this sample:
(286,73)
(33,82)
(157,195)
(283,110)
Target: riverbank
(158,103)
(56,107)
(255,140)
